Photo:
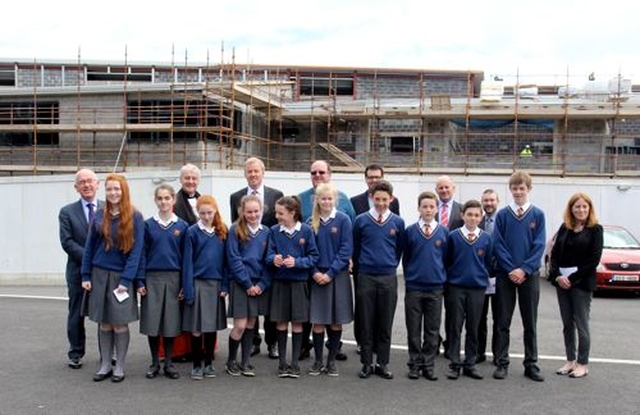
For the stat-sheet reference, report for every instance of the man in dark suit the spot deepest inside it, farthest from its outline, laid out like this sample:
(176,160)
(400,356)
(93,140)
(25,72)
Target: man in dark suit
(449,215)
(449,211)
(490,202)
(74,220)
(373,173)
(254,173)
(186,197)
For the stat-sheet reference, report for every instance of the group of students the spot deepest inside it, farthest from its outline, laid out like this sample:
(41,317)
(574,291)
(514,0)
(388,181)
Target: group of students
(266,271)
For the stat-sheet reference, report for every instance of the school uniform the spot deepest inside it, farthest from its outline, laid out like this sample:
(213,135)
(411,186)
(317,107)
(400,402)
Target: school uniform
(247,268)
(377,248)
(425,275)
(332,303)
(160,307)
(519,242)
(290,291)
(107,269)
(468,264)
(203,278)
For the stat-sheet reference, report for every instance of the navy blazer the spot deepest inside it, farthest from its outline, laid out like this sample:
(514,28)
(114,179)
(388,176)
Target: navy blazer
(73,235)
(360,204)
(270,198)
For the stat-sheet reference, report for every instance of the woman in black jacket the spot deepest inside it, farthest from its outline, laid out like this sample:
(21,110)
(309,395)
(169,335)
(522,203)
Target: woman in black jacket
(575,255)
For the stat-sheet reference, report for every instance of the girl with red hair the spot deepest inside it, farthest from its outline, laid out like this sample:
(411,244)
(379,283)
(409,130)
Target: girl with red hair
(110,264)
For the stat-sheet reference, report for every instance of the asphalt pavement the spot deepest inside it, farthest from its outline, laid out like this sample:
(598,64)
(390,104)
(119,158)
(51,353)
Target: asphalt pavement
(35,379)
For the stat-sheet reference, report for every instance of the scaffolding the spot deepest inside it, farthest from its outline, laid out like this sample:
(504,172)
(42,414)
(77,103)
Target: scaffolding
(125,116)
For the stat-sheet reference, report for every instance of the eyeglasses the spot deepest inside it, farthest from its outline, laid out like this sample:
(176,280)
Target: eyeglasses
(318,172)
(87,181)
(374,177)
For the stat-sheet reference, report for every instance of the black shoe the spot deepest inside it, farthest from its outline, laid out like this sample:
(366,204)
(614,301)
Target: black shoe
(428,374)
(500,373)
(534,374)
(272,351)
(453,374)
(305,353)
(99,377)
(117,378)
(255,350)
(414,373)
(341,356)
(75,363)
(365,372)
(472,373)
(481,358)
(171,372)
(153,371)
(383,371)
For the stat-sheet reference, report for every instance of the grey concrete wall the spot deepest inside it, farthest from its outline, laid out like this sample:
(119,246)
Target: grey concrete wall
(30,251)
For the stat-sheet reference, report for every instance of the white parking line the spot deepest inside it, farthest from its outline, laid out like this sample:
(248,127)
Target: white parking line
(353,343)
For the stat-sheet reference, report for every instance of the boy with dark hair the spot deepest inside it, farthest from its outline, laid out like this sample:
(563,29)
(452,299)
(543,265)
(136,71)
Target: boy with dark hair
(424,273)
(468,265)
(519,241)
(378,240)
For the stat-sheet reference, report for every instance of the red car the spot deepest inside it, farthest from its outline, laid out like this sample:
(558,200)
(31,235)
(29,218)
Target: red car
(619,267)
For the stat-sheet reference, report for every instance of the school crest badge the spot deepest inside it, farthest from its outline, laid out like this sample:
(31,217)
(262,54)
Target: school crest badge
(334,229)
(302,241)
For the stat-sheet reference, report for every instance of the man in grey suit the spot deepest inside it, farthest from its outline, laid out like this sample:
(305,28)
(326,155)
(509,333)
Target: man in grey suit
(254,173)
(74,222)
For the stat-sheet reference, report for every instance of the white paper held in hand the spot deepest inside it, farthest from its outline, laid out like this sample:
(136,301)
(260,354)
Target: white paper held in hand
(121,296)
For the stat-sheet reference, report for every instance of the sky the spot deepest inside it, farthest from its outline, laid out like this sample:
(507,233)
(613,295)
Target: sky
(544,41)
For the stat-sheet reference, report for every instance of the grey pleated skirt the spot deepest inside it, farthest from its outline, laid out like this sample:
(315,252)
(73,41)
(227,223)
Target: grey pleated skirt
(289,301)
(207,313)
(103,305)
(332,303)
(160,308)
(242,306)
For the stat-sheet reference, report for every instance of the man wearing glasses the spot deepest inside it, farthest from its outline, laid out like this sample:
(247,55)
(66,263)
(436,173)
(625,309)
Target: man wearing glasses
(321,173)
(373,173)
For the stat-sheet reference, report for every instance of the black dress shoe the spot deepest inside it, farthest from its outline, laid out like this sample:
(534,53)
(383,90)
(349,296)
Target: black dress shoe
(255,350)
(272,350)
(534,374)
(341,356)
(453,374)
(428,374)
(414,373)
(500,373)
(171,372)
(383,371)
(99,377)
(365,372)
(153,372)
(75,363)
(472,373)
(117,378)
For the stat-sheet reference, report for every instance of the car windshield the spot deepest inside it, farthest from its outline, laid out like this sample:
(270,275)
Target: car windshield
(619,239)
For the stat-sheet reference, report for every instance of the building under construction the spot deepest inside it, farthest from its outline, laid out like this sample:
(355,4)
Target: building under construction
(58,116)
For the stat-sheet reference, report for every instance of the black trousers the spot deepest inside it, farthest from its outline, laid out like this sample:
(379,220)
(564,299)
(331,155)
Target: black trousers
(269,332)
(423,315)
(376,299)
(528,295)
(490,301)
(75,321)
(465,306)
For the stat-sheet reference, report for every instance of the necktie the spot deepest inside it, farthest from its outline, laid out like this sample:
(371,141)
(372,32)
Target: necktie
(471,236)
(380,218)
(488,225)
(520,211)
(427,229)
(444,215)
(92,213)
(254,192)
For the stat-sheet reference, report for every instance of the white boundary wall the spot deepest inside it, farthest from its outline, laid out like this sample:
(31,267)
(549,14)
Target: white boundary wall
(30,251)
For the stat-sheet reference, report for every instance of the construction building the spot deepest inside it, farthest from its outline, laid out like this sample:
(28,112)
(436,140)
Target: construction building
(59,116)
